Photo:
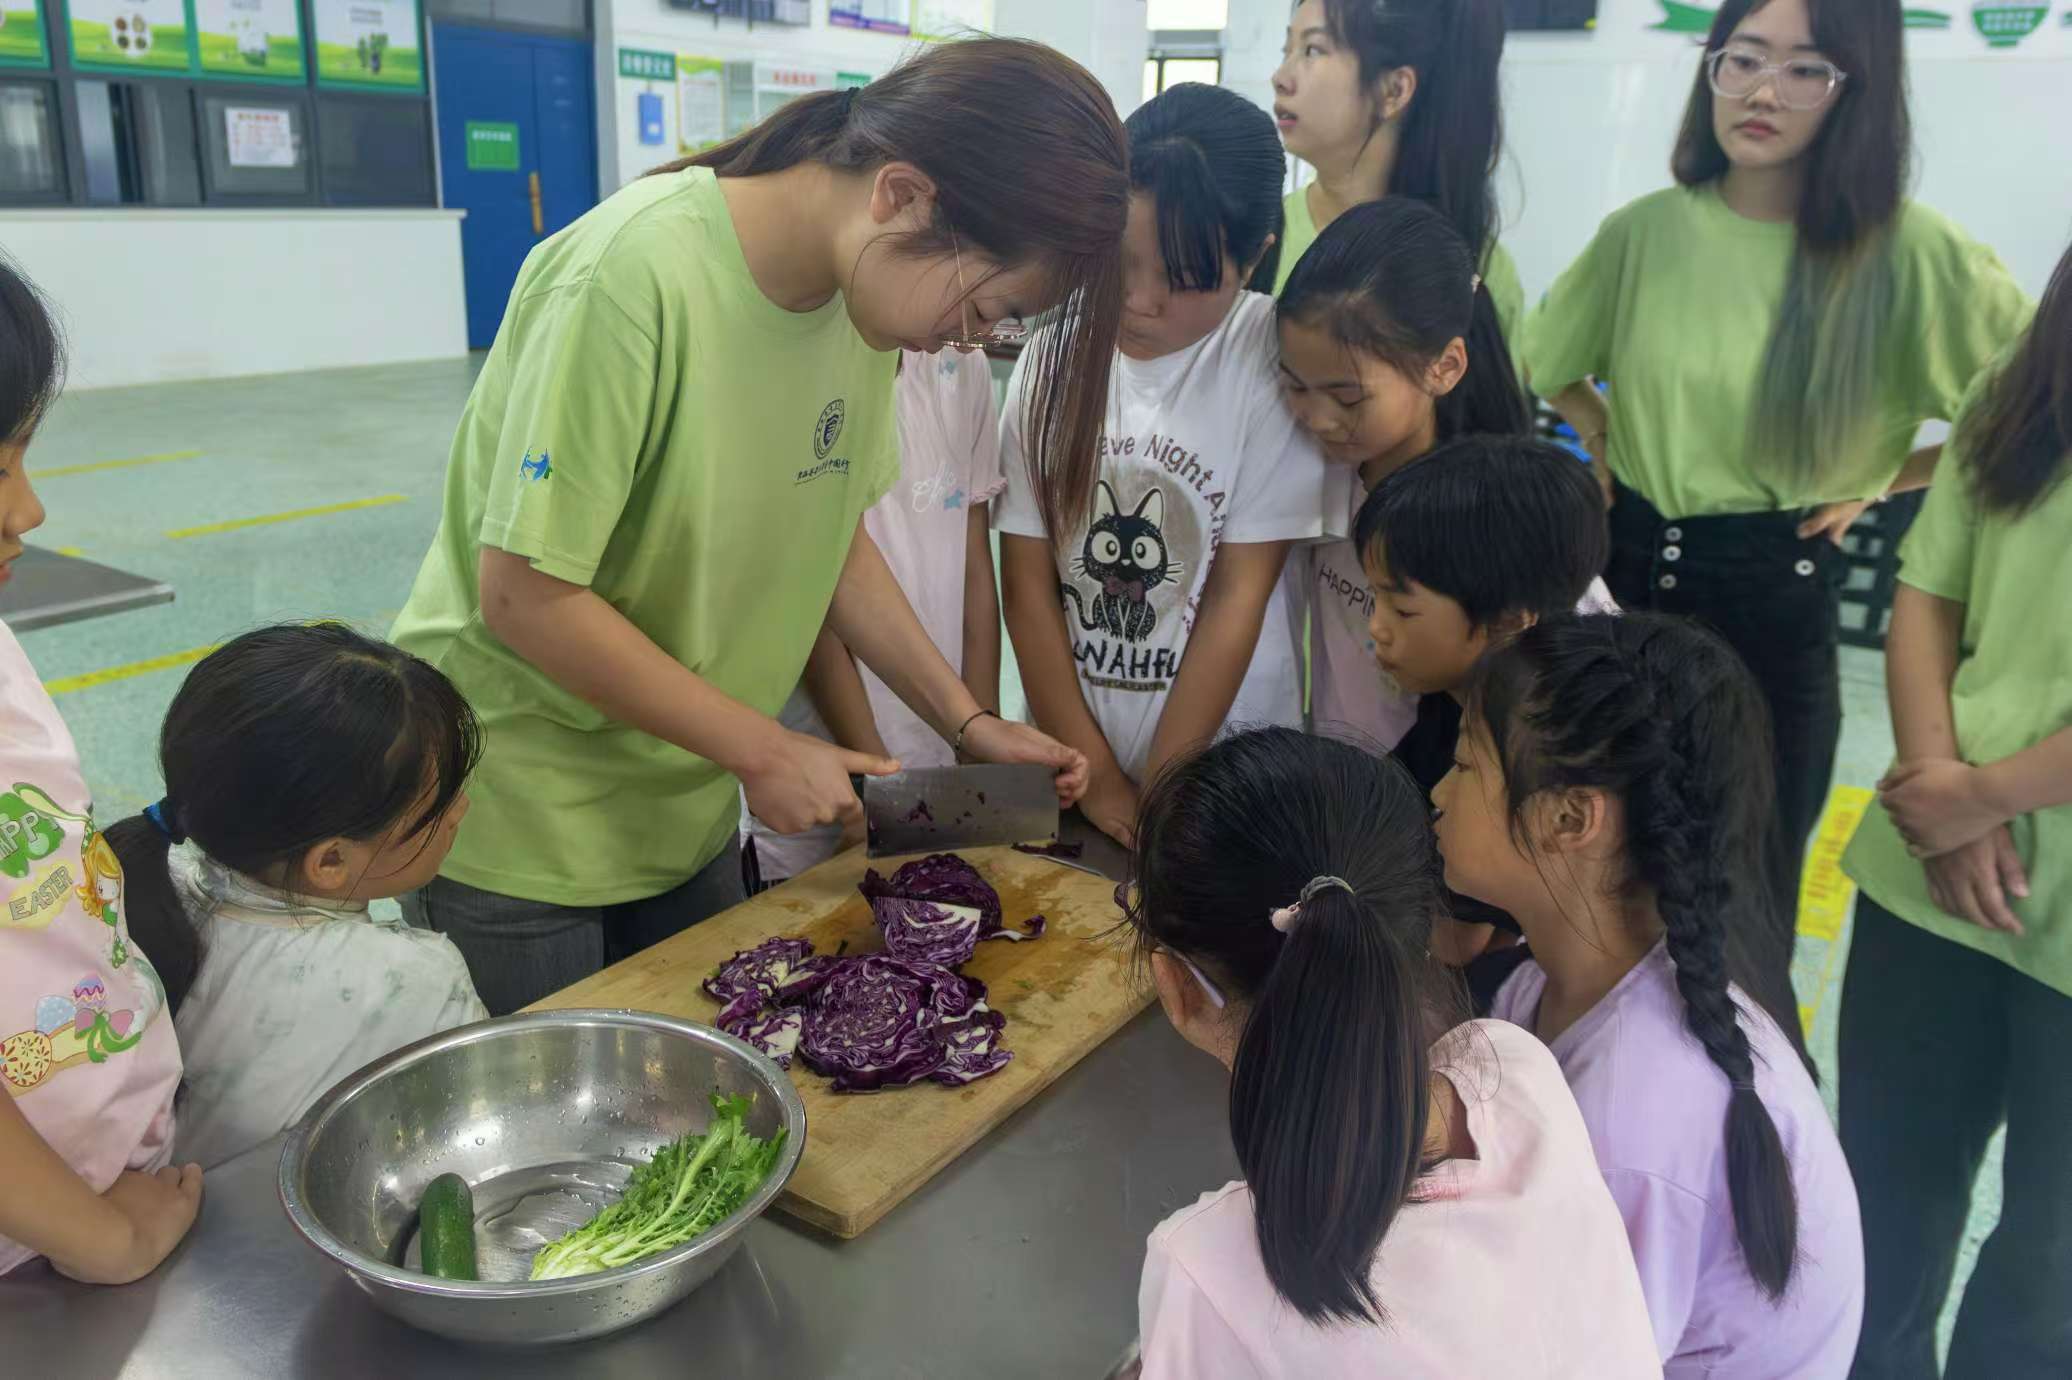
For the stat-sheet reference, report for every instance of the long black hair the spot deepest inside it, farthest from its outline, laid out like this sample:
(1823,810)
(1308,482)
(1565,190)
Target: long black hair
(1030,167)
(1453,132)
(1817,391)
(1212,162)
(32,356)
(1330,1092)
(1540,535)
(280,739)
(1663,716)
(2018,433)
(1393,280)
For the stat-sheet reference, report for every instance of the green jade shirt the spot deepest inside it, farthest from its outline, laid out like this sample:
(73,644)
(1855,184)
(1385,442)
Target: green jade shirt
(650,426)
(1674,303)
(1499,273)
(2013,689)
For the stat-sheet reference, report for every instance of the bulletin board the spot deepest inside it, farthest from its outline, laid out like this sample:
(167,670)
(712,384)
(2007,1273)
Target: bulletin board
(879,16)
(369,43)
(130,35)
(21,35)
(252,40)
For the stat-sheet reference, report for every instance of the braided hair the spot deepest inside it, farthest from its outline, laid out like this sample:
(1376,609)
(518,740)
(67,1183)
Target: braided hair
(1663,716)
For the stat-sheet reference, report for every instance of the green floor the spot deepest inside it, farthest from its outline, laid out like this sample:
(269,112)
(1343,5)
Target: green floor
(367,450)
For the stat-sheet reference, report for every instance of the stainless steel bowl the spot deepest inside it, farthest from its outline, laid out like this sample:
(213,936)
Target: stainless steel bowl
(544,1115)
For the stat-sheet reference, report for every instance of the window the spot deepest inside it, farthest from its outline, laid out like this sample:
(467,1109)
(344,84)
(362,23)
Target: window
(374,152)
(32,162)
(1187,14)
(1162,72)
(255,146)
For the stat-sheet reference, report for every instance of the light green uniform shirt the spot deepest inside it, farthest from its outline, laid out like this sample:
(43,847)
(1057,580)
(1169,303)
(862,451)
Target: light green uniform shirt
(1499,273)
(651,426)
(2013,689)
(1673,303)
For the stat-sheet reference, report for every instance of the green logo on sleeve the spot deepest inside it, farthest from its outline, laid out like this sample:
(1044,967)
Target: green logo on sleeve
(27,835)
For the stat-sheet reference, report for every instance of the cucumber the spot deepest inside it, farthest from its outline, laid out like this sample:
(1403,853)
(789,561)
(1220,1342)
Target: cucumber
(446,1228)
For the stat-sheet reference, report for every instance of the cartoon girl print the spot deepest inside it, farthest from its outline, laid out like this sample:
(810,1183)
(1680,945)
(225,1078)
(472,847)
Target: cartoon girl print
(100,889)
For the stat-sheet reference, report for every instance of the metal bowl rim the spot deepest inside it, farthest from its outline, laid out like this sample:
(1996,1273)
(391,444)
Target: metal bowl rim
(718,1237)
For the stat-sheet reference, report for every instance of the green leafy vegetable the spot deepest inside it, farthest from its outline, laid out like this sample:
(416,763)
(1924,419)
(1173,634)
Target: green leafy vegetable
(690,1186)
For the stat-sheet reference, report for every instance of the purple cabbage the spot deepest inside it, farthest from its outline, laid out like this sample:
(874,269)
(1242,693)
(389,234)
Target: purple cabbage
(943,878)
(926,931)
(777,970)
(881,1022)
(774,1030)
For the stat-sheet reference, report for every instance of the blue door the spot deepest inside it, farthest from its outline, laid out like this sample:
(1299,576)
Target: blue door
(517,151)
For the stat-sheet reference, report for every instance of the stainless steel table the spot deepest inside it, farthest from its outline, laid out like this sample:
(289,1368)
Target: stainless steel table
(48,589)
(1021,1259)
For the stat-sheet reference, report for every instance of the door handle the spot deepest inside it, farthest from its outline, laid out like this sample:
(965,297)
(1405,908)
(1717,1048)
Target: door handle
(539,220)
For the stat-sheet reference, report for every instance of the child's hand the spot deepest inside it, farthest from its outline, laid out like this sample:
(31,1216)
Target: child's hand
(1973,882)
(158,1208)
(1939,805)
(1110,805)
(803,783)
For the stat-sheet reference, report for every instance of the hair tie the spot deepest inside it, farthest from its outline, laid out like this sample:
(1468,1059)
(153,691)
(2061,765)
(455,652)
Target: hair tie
(163,817)
(1744,1084)
(1284,918)
(849,101)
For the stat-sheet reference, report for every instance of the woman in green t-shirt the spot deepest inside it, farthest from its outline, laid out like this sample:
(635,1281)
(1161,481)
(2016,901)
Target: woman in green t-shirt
(1397,98)
(1774,330)
(656,493)
(1957,1013)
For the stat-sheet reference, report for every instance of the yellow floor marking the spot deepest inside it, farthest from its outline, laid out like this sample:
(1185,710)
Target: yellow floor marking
(1825,893)
(70,551)
(65,685)
(237,524)
(95,467)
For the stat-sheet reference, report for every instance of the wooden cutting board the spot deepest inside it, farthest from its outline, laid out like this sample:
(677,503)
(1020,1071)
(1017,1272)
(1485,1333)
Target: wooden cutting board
(866,1152)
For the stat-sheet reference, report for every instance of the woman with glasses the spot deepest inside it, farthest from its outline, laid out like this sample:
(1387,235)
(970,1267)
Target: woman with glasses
(655,499)
(1397,1157)
(1145,627)
(1774,329)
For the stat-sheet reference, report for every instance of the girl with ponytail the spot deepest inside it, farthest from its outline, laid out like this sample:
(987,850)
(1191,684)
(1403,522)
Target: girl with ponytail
(655,501)
(1395,1160)
(1609,791)
(1389,349)
(1398,98)
(1145,625)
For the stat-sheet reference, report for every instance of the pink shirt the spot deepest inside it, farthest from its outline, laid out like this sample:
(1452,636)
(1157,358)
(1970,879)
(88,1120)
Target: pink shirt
(1656,1104)
(1349,694)
(86,1048)
(949,462)
(1511,1264)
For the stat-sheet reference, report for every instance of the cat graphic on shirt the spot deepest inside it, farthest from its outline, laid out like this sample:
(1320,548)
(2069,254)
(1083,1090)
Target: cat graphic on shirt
(1126,557)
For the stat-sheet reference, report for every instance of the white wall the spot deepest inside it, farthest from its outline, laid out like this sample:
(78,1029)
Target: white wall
(1108,36)
(149,296)
(1590,118)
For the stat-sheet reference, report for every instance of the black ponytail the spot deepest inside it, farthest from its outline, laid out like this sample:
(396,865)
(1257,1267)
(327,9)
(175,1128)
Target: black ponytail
(1663,716)
(1453,131)
(1330,1091)
(1390,279)
(32,356)
(278,740)
(1212,162)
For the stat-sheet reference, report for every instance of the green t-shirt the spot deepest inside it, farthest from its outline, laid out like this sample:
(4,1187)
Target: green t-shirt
(651,426)
(1499,273)
(2013,688)
(1673,303)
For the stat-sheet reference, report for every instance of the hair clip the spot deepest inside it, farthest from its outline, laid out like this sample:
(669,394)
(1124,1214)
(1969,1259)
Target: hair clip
(1284,918)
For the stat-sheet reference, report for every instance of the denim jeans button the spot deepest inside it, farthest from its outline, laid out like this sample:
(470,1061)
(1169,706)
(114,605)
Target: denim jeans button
(1672,534)
(1804,567)
(1667,582)
(1672,553)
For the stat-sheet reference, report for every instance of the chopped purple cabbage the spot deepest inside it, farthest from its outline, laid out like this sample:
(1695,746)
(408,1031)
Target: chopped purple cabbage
(772,1029)
(943,878)
(926,931)
(881,1022)
(1054,849)
(780,970)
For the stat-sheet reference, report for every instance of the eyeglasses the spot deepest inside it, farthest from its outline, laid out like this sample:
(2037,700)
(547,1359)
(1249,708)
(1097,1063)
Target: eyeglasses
(1800,83)
(1007,331)
(1125,902)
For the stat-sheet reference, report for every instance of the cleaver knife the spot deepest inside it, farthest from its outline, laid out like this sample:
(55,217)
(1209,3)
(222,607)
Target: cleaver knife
(940,809)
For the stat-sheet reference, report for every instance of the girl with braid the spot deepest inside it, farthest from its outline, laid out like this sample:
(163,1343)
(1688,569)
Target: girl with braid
(1610,790)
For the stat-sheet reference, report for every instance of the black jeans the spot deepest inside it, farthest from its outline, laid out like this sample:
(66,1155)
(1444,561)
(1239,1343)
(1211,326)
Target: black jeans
(1776,601)
(1941,1045)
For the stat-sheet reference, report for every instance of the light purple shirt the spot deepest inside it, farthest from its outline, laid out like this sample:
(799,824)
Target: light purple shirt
(1655,1105)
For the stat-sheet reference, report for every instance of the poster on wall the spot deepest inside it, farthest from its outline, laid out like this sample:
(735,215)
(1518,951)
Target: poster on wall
(261,39)
(1680,18)
(701,103)
(879,16)
(368,43)
(141,35)
(937,20)
(258,137)
(2004,25)
(21,34)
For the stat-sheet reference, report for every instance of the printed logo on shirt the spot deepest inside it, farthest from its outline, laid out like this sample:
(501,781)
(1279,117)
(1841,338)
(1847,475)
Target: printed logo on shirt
(828,429)
(838,465)
(535,469)
(1126,601)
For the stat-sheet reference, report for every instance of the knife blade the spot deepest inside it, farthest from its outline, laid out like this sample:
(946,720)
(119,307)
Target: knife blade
(937,809)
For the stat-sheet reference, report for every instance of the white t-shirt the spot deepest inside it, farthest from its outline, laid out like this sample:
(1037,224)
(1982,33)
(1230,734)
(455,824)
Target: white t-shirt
(1511,1264)
(949,462)
(1350,695)
(293,994)
(1199,449)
